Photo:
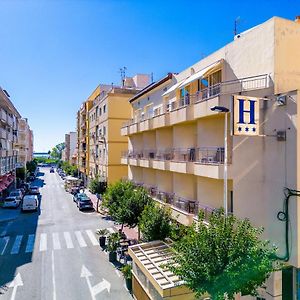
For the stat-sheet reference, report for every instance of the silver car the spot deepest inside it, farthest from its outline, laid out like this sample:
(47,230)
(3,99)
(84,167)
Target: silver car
(16,193)
(11,202)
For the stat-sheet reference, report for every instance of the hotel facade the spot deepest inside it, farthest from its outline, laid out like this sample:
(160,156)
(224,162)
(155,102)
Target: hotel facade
(176,146)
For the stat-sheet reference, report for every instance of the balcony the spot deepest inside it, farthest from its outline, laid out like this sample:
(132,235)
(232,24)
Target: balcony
(196,105)
(184,210)
(181,110)
(3,115)
(3,133)
(10,120)
(202,161)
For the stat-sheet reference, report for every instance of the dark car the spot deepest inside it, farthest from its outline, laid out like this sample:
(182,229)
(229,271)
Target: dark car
(34,190)
(52,170)
(78,195)
(84,203)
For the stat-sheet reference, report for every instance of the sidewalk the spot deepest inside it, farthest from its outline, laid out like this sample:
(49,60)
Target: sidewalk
(93,198)
(131,233)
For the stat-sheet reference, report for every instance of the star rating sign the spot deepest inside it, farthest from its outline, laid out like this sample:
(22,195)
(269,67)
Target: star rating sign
(247,129)
(253,129)
(240,129)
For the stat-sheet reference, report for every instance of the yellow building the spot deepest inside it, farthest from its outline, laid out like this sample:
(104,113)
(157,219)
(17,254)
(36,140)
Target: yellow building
(98,126)
(176,142)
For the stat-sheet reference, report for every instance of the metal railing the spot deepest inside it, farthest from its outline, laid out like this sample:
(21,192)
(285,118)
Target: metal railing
(222,88)
(203,155)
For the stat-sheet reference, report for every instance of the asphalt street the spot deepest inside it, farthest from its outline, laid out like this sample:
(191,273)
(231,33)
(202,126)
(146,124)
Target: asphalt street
(54,253)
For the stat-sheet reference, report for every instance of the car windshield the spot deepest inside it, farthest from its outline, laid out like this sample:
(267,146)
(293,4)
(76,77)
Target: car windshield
(84,199)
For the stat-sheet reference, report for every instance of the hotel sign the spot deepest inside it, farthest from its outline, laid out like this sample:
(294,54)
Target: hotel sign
(245,115)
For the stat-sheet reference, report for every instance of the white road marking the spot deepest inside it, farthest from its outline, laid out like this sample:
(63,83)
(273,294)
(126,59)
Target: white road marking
(43,242)
(17,244)
(92,237)
(30,243)
(14,284)
(6,240)
(56,242)
(68,240)
(80,239)
(4,232)
(53,276)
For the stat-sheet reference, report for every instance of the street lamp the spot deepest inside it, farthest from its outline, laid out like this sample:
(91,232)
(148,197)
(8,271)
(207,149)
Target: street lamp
(224,110)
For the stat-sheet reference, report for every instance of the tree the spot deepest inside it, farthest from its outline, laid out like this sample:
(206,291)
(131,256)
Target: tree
(155,222)
(57,150)
(224,257)
(31,166)
(115,195)
(125,203)
(97,186)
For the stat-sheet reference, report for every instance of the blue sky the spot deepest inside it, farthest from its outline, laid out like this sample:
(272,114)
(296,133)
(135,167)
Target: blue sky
(54,53)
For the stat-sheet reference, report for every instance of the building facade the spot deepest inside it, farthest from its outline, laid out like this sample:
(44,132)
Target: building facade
(176,141)
(9,119)
(70,146)
(99,121)
(25,142)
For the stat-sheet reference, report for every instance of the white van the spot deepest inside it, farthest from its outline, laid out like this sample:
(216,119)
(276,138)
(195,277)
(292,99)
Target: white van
(30,202)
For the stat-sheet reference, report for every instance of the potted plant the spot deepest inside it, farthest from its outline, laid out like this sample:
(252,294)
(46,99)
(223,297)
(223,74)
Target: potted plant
(102,236)
(112,245)
(127,273)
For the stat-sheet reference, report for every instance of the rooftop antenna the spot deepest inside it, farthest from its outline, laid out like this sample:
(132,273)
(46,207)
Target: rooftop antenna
(236,22)
(123,75)
(151,77)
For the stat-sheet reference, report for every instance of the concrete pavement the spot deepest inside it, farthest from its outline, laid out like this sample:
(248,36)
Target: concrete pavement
(54,253)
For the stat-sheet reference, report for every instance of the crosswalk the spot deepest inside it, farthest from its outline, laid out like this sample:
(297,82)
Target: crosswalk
(14,245)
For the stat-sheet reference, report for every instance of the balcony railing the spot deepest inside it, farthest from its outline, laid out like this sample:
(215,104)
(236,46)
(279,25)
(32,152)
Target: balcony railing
(222,88)
(203,155)
(183,204)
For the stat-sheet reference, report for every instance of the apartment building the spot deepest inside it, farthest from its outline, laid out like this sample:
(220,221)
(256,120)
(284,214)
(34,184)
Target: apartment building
(70,147)
(24,146)
(176,146)
(9,117)
(109,109)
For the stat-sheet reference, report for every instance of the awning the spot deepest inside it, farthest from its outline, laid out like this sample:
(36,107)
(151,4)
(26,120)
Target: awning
(172,88)
(199,74)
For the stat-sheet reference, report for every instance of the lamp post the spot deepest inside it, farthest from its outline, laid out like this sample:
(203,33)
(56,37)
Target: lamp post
(224,110)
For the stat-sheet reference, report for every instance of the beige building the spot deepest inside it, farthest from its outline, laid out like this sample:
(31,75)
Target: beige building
(9,118)
(176,142)
(70,147)
(25,142)
(99,122)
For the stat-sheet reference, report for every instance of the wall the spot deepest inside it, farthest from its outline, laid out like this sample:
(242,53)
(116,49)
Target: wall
(287,67)
(184,135)
(262,167)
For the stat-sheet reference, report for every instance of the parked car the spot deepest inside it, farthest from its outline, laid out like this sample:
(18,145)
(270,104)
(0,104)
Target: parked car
(79,195)
(30,202)
(31,178)
(16,193)
(84,202)
(52,170)
(34,190)
(11,201)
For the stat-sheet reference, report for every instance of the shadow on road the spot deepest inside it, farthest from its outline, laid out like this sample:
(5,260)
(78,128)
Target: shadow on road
(16,248)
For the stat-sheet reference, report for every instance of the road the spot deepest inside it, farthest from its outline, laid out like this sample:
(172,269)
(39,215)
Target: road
(54,253)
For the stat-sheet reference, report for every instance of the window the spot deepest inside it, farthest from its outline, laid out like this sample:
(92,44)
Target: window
(104,130)
(100,111)
(104,108)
